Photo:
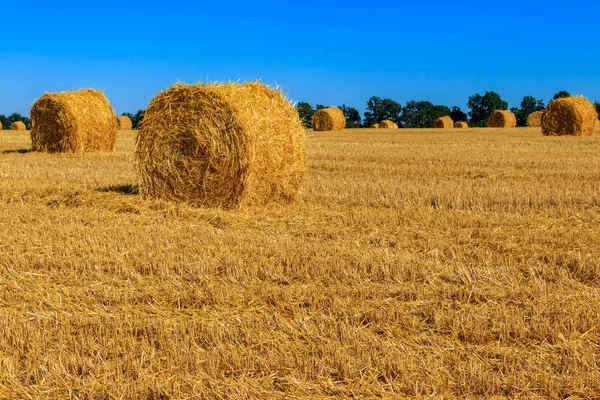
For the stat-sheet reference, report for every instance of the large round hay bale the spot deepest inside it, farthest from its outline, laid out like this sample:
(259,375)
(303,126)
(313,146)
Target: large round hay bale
(18,126)
(535,119)
(461,125)
(387,124)
(502,119)
(328,119)
(375,126)
(75,122)
(569,116)
(444,122)
(124,123)
(221,145)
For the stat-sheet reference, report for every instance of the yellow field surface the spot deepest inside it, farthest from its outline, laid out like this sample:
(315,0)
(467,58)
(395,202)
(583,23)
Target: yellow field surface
(459,262)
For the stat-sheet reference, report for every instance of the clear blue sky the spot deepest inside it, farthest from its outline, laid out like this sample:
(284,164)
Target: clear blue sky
(327,52)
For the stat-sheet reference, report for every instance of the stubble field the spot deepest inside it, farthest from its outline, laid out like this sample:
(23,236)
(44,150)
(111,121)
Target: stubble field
(454,263)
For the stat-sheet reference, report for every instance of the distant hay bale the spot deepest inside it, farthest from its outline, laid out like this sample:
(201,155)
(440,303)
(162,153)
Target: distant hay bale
(375,126)
(124,123)
(221,145)
(502,119)
(387,124)
(444,122)
(328,119)
(18,126)
(75,122)
(535,119)
(461,125)
(569,116)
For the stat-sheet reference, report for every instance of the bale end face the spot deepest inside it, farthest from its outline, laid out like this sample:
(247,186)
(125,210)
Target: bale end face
(502,119)
(387,124)
(444,123)
(569,116)
(328,119)
(461,125)
(124,123)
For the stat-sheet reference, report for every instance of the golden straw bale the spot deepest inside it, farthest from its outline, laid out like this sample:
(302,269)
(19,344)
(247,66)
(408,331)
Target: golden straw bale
(387,124)
(502,119)
(18,126)
(444,122)
(375,126)
(221,145)
(569,116)
(124,123)
(75,122)
(1,127)
(535,119)
(328,119)
(461,125)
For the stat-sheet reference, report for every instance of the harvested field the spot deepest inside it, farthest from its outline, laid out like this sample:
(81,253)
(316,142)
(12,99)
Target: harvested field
(416,263)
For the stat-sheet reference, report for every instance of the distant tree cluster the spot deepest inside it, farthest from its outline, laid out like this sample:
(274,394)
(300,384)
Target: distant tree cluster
(14,117)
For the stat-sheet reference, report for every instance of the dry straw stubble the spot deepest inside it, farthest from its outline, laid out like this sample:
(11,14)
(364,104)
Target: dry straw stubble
(221,145)
(387,124)
(502,119)
(444,122)
(124,123)
(569,116)
(461,125)
(535,119)
(18,126)
(328,119)
(75,122)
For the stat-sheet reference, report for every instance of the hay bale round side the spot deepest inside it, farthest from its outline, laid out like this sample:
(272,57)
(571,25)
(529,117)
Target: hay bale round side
(569,116)
(444,122)
(328,119)
(461,125)
(502,119)
(124,123)
(375,126)
(1,127)
(73,122)
(535,119)
(387,124)
(18,126)
(221,145)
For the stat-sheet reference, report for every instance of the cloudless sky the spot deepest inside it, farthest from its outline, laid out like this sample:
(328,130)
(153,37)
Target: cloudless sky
(327,52)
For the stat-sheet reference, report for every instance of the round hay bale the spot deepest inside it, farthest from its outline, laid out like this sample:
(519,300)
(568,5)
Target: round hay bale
(387,124)
(124,123)
(535,119)
(444,122)
(221,145)
(461,125)
(75,122)
(328,119)
(18,126)
(375,126)
(502,119)
(569,116)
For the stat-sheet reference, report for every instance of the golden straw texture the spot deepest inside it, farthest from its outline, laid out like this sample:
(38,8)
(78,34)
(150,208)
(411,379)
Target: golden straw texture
(124,123)
(535,119)
(328,119)
(18,126)
(569,116)
(502,119)
(444,122)
(461,125)
(387,124)
(221,145)
(75,122)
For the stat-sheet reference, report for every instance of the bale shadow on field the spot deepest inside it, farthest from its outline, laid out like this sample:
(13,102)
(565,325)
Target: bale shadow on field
(128,189)
(20,151)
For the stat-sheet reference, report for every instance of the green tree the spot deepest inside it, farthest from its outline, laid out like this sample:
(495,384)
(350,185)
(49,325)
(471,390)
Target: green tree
(422,114)
(352,115)
(597,105)
(14,117)
(561,94)
(457,114)
(379,109)
(482,106)
(137,119)
(529,105)
(305,111)
(320,107)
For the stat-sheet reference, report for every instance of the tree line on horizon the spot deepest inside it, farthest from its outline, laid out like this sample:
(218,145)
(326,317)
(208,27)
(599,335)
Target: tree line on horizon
(422,114)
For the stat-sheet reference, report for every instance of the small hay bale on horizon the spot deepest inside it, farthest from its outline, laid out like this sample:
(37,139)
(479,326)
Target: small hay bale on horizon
(535,119)
(461,125)
(502,119)
(387,124)
(221,145)
(328,119)
(124,123)
(444,123)
(374,126)
(573,115)
(73,122)
(18,126)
